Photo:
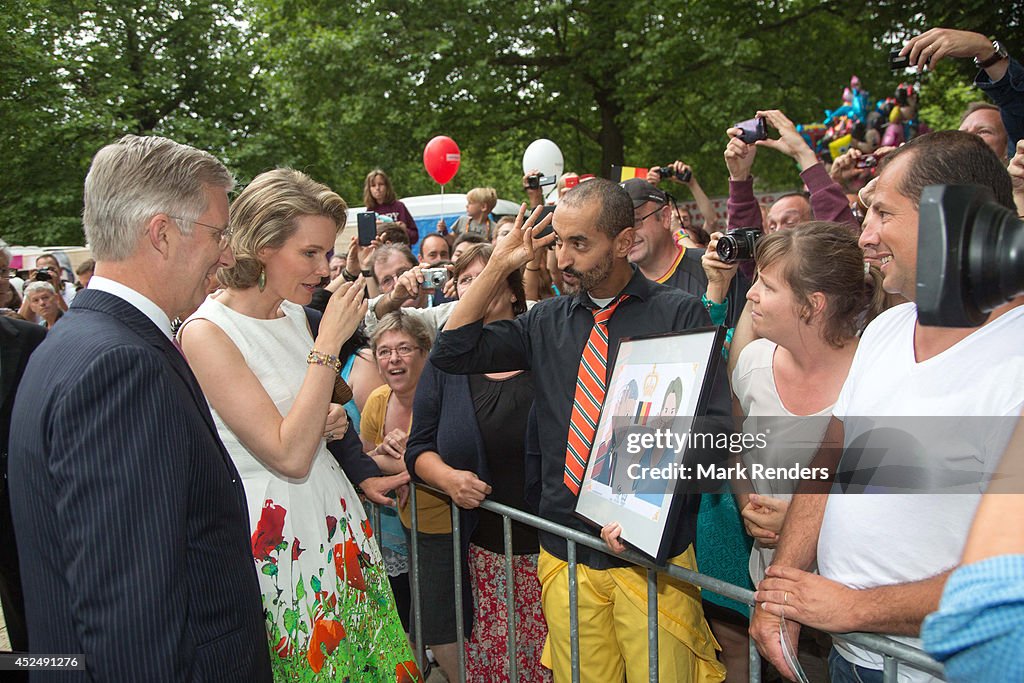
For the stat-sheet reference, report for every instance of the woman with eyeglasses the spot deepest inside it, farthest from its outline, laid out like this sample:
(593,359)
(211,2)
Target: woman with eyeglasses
(330,614)
(400,344)
(468,439)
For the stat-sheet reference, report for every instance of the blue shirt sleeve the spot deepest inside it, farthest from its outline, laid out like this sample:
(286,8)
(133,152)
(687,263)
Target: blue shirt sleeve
(978,631)
(1008,94)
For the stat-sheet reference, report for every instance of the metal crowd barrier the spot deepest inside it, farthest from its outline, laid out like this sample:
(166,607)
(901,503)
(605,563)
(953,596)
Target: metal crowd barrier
(894,654)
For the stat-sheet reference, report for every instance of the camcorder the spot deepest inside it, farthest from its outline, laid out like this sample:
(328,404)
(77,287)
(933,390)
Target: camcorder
(970,256)
(668,172)
(434,278)
(537,181)
(738,245)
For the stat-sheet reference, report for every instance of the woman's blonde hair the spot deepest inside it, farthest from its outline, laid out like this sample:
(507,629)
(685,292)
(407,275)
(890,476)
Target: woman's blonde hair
(264,216)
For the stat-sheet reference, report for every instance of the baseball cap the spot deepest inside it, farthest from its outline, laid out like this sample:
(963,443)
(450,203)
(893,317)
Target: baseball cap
(641,192)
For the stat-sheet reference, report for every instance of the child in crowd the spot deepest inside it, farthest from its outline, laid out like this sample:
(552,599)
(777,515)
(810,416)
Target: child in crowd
(480,201)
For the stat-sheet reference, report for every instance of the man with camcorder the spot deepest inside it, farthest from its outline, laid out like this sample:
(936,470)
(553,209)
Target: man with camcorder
(863,544)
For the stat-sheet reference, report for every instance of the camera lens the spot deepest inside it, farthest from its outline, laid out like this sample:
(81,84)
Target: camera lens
(729,249)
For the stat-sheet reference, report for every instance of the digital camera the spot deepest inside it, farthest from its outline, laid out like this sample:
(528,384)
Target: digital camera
(667,172)
(434,278)
(738,245)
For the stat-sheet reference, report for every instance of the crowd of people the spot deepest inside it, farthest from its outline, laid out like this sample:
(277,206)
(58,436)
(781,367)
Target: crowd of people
(190,431)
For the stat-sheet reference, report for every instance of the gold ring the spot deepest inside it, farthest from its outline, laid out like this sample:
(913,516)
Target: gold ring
(785,598)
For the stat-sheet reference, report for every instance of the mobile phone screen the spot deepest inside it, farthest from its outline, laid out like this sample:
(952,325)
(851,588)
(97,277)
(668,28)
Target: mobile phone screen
(367,226)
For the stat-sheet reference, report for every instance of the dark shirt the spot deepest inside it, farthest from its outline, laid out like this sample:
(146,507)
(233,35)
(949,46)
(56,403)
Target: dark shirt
(548,340)
(1008,94)
(502,407)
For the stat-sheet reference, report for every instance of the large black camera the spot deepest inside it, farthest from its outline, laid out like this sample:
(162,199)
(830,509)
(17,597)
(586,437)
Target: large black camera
(43,274)
(668,172)
(970,256)
(738,245)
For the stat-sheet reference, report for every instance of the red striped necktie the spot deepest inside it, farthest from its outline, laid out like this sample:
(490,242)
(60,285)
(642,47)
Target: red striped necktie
(590,390)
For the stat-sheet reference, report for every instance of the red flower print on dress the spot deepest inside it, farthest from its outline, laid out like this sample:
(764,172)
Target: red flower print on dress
(283,648)
(296,550)
(408,672)
(346,564)
(328,633)
(269,532)
(367,529)
(332,524)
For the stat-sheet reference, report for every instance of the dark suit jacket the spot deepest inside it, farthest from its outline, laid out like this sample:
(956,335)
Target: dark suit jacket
(17,340)
(130,516)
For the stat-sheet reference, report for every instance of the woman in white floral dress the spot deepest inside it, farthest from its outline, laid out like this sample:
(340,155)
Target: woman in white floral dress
(330,612)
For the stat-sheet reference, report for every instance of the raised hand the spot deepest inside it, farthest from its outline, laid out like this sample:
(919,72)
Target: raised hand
(344,312)
(790,142)
(739,156)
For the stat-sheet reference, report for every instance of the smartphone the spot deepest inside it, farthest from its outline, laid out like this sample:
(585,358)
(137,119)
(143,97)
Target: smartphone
(545,212)
(896,61)
(753,130)
(366,223)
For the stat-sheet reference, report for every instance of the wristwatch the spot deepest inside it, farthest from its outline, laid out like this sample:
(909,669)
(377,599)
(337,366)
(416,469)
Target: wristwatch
(999,55)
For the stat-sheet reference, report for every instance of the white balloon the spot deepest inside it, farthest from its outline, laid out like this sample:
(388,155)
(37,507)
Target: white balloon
(544,156)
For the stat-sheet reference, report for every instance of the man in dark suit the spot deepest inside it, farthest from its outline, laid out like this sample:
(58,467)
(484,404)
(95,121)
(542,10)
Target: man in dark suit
(17,341)
(130,516)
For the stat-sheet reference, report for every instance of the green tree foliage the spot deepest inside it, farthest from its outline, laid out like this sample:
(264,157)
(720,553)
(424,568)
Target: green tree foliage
(76,76)
(339,88)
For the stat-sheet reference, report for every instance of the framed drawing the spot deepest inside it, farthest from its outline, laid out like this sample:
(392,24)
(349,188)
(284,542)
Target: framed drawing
(658,386)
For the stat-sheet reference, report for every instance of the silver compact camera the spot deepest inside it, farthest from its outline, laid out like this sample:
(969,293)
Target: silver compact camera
(434,278)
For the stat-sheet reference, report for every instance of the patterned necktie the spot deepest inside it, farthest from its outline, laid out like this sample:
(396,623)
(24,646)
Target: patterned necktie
(586,405)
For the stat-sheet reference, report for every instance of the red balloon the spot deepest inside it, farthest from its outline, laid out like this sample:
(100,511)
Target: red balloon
(441,158)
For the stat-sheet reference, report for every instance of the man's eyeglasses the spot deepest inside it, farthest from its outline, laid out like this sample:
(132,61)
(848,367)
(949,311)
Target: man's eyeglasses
(8,273)
(388,282)
(638,221)
(222,235)
(384,353)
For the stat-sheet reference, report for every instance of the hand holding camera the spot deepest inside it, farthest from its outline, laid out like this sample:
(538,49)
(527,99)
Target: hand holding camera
(739,156)
(738,245)
(407,285)
(924,51)
(677,171)
(435,278)
(720,274)
(790,142)
(47,274)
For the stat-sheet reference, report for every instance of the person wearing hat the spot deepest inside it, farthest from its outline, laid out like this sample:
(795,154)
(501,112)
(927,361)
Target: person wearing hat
(654,249)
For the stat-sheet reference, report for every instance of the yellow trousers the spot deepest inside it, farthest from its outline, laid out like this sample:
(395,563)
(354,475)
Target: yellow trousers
(613,625)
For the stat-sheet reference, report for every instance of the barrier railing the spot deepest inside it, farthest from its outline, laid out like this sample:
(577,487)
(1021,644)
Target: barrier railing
(894,654)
